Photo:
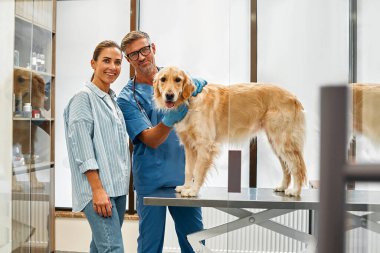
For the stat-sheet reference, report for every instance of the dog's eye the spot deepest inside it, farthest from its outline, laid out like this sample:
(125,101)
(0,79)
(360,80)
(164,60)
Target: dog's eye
(20,79)
(178,79)
(163,79)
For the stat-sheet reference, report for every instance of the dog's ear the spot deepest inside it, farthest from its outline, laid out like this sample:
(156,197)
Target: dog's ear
(157,92)
(188,86)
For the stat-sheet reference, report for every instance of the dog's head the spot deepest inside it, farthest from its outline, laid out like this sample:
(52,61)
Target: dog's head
(172,87)
(30,86)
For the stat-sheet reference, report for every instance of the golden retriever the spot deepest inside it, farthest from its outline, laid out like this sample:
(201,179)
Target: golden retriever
(233,114)
(31,88)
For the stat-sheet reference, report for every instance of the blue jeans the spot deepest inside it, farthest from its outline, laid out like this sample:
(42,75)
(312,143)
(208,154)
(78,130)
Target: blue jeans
(152,220)
(106,232)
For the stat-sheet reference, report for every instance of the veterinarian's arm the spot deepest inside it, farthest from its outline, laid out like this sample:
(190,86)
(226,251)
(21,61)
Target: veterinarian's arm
(101,202)
(155,136)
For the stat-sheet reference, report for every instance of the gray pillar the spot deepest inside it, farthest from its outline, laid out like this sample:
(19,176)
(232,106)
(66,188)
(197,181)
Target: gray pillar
(333,158)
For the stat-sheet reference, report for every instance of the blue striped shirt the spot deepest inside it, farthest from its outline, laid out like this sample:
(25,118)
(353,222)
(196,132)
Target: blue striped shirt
(96,139)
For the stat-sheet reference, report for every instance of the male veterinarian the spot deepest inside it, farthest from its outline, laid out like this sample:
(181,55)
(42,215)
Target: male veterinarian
(158,159)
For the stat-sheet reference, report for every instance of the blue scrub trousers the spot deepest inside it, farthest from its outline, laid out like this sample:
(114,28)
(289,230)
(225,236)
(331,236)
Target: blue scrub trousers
(152,220)
(106,232)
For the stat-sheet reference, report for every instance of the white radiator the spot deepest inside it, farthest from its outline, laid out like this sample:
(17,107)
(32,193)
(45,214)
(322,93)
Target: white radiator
(30,223)
(251,239)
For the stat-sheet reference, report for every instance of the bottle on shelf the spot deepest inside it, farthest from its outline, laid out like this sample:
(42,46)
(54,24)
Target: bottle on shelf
(38,62)
(34,61)
(27,110)
(36,114)
(42,61)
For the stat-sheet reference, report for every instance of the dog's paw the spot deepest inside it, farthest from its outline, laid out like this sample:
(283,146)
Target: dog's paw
(180,188)
(279,189)
(292,192)
(189,192)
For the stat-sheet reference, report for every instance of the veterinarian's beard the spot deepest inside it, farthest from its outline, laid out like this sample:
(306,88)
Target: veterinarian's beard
(148,70)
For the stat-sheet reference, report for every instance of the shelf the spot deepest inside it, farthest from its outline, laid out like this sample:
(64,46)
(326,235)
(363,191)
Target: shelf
(30,193)
(26,19)
(33,119)
(29,20)
(28,168)
(34,71)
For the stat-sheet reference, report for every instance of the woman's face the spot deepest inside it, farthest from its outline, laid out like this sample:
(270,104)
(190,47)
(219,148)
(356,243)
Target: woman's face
(107,67)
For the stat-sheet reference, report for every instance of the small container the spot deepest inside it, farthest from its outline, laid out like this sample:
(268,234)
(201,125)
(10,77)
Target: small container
(27,110)
(36,114)
(34,61)
(43,67)
(38,62)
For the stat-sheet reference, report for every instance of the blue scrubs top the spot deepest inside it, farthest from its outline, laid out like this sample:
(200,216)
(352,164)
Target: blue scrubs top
(152,168)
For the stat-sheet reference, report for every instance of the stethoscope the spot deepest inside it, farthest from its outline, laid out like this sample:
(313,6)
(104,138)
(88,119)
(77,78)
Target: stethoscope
(146,118)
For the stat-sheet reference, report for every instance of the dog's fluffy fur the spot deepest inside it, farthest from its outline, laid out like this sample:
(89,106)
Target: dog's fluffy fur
(30,86)
(366,113)
(232,114)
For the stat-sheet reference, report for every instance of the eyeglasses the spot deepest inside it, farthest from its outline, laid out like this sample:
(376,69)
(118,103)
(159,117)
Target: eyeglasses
(134,56)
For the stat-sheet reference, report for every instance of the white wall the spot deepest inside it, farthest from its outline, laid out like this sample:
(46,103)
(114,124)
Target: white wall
(81,25)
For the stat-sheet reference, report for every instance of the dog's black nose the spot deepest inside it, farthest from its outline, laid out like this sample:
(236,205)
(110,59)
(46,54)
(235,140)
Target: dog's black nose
(169,97)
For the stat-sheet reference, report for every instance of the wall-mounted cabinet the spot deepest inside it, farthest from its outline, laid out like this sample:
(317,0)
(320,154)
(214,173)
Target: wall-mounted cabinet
(33,126)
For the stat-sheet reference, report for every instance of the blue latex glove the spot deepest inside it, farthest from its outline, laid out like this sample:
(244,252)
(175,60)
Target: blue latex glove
(173,116)
(199,83)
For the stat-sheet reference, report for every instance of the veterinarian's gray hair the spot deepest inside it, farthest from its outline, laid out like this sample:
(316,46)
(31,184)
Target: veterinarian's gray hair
(133,36)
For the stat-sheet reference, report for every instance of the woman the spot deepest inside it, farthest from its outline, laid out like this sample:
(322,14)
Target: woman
(97,145)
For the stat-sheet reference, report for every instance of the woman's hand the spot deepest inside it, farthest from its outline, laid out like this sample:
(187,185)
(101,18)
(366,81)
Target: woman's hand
(101,203)
(100,200)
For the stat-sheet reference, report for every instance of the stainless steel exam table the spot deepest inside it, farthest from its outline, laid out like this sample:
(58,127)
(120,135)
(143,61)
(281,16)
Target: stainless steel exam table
(276,204)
